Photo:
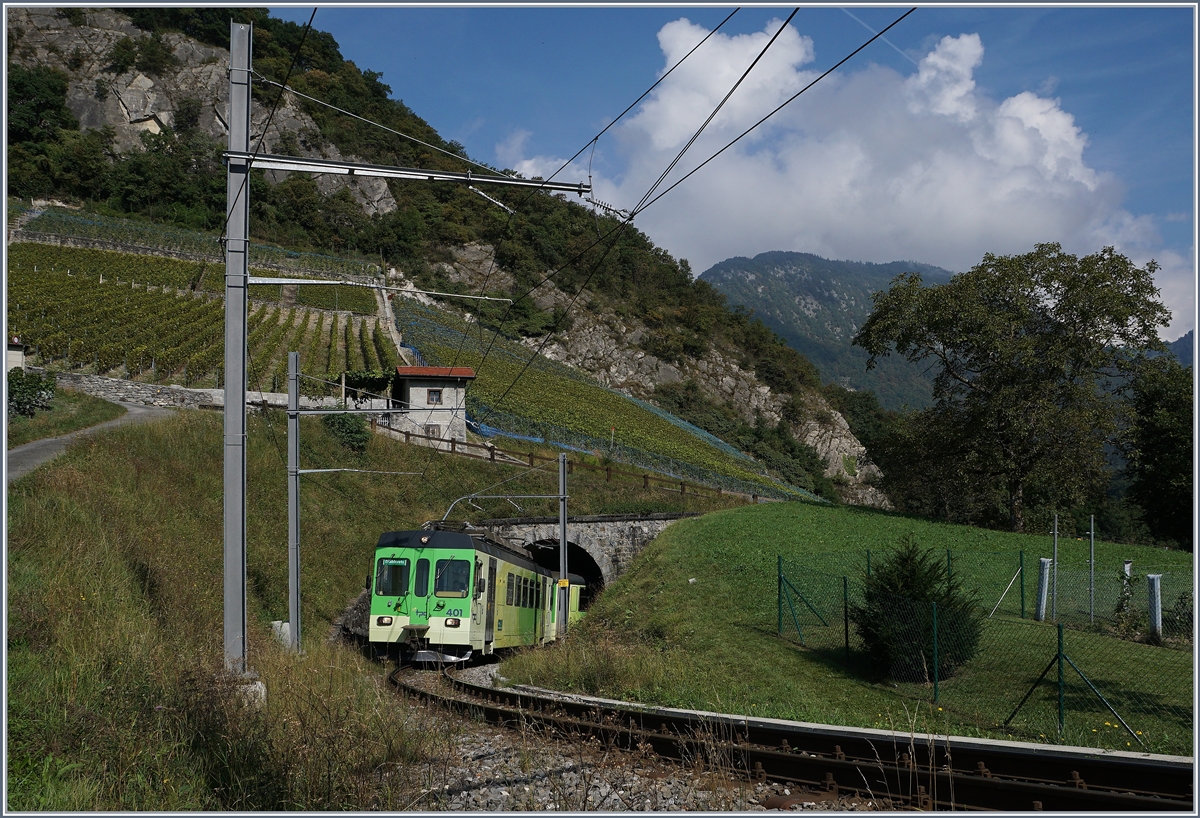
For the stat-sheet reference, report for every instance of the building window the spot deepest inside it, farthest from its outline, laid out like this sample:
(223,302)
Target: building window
(434,397)
(433,430)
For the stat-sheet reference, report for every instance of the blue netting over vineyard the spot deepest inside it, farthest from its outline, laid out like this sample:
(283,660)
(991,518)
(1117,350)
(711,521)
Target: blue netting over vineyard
(502,423)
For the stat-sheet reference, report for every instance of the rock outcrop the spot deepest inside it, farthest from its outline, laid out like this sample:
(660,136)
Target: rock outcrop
(607,348)
(133,102)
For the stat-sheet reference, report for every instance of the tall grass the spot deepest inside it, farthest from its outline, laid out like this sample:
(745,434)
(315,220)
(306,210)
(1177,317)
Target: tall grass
(116,695)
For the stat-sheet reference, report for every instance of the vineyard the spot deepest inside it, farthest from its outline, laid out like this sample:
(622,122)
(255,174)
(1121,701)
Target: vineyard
(551,400)
(159,333)
(150,238)
(160,271)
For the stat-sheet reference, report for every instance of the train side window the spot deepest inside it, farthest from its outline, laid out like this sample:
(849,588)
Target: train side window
(508,594)
(453,579)
(421,578)
(391,577)
(525,592)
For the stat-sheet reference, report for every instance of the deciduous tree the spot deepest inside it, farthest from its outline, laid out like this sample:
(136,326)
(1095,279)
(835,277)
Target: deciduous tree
(1028,351)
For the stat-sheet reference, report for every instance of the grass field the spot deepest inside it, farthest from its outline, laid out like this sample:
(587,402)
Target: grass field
(70,412)
(713,644)
(114,568)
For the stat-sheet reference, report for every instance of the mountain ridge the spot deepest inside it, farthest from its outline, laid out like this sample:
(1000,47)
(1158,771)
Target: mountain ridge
(817,305)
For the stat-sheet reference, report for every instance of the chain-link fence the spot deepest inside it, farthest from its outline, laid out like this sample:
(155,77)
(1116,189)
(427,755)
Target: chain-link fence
(993,671)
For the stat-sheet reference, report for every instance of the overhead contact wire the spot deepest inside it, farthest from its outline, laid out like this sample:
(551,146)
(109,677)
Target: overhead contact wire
(787,102)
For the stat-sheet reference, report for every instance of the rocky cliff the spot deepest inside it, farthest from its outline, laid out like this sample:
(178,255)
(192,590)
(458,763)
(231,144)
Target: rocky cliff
(133,102)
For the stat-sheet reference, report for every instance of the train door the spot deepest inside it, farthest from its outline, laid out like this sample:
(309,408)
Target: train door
(490,617)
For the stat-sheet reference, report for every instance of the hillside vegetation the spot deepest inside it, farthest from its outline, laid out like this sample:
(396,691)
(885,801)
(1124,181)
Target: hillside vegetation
(114,620)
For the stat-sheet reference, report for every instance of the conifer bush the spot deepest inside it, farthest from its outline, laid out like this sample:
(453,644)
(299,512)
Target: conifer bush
(895,618)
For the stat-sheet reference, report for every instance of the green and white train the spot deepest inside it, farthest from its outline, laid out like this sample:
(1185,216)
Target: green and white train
(446,596)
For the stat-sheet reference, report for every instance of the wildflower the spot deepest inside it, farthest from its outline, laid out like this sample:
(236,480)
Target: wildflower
(1139,732)
(939,710)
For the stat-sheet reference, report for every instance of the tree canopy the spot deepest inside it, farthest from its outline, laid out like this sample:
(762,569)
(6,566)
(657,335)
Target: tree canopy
(1159,447)
(1029,353)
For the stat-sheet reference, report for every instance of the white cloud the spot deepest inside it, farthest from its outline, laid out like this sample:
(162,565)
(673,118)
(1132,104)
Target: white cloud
(868,165)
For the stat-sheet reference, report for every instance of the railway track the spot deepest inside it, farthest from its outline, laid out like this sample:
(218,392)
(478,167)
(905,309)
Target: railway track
(916,771)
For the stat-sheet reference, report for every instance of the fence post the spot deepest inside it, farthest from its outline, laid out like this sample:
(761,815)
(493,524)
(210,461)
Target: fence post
(846,612)
(1061,682)
(1154,584)
(1021,566)
(1039,613)
(645,482)
(1092,571)
(1054,583)
(779,592)
(935,653)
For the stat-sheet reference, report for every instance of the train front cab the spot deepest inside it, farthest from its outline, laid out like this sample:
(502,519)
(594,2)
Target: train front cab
(427,596)
(442,596)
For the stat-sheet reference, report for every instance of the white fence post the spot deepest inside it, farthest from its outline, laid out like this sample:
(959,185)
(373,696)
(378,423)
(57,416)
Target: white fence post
(1043,589)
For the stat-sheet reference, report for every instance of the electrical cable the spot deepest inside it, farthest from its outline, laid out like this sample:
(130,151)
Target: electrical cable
(592,144)
(713,115)
(382,127)
(624,224)
(777,110)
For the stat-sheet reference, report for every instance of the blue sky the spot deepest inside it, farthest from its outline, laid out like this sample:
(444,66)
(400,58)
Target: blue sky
(971,130)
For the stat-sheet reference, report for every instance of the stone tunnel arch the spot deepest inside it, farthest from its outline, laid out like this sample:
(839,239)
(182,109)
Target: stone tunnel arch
(579,561)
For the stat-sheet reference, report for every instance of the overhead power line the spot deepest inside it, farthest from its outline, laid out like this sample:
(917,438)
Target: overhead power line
(787,102)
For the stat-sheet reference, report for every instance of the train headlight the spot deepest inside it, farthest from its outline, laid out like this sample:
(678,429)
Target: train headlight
(453,623)
(383,620)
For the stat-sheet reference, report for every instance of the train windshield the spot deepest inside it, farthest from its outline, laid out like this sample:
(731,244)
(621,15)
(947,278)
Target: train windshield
(453,578)
(391,577)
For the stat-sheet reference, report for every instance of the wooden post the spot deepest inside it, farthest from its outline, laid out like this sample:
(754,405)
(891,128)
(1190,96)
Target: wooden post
(682,487)
(645,482)
(531,460)
(406,436)
(608,474)
(453,448)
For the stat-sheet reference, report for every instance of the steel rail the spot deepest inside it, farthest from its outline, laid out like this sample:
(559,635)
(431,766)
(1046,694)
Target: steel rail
(918,771)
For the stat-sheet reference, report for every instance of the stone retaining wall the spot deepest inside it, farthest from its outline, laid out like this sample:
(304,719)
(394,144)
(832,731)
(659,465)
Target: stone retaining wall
(150,394)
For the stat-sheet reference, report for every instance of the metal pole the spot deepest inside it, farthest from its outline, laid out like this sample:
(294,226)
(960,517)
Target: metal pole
(935,653)
(1061,683)
(293,434)
(564,591)
(236,273)
(1092,572)
(1021,565)
(1054,579)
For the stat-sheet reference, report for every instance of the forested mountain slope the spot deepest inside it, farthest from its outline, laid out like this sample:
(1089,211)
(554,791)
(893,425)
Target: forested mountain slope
(816,305)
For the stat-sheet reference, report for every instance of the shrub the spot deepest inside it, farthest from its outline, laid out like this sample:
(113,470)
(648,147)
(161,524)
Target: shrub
(895,618)
(352,430)
(28,392)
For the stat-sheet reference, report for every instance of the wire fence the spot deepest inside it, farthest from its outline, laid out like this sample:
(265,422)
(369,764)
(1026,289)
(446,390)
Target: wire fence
(991,667)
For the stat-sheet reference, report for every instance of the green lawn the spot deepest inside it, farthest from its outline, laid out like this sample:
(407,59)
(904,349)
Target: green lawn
(71,411)
(713,643)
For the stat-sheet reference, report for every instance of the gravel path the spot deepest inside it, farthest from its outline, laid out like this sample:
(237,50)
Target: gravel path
(487,768)
(24,459)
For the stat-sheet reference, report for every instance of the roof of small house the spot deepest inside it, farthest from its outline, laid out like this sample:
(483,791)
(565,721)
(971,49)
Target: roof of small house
(464,372)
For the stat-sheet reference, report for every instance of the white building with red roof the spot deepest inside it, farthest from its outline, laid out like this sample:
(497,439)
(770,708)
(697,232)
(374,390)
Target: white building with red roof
(434,400)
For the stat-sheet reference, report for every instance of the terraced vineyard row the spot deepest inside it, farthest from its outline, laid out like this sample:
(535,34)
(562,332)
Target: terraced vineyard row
(149,237)
(160,271)
(164,335)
